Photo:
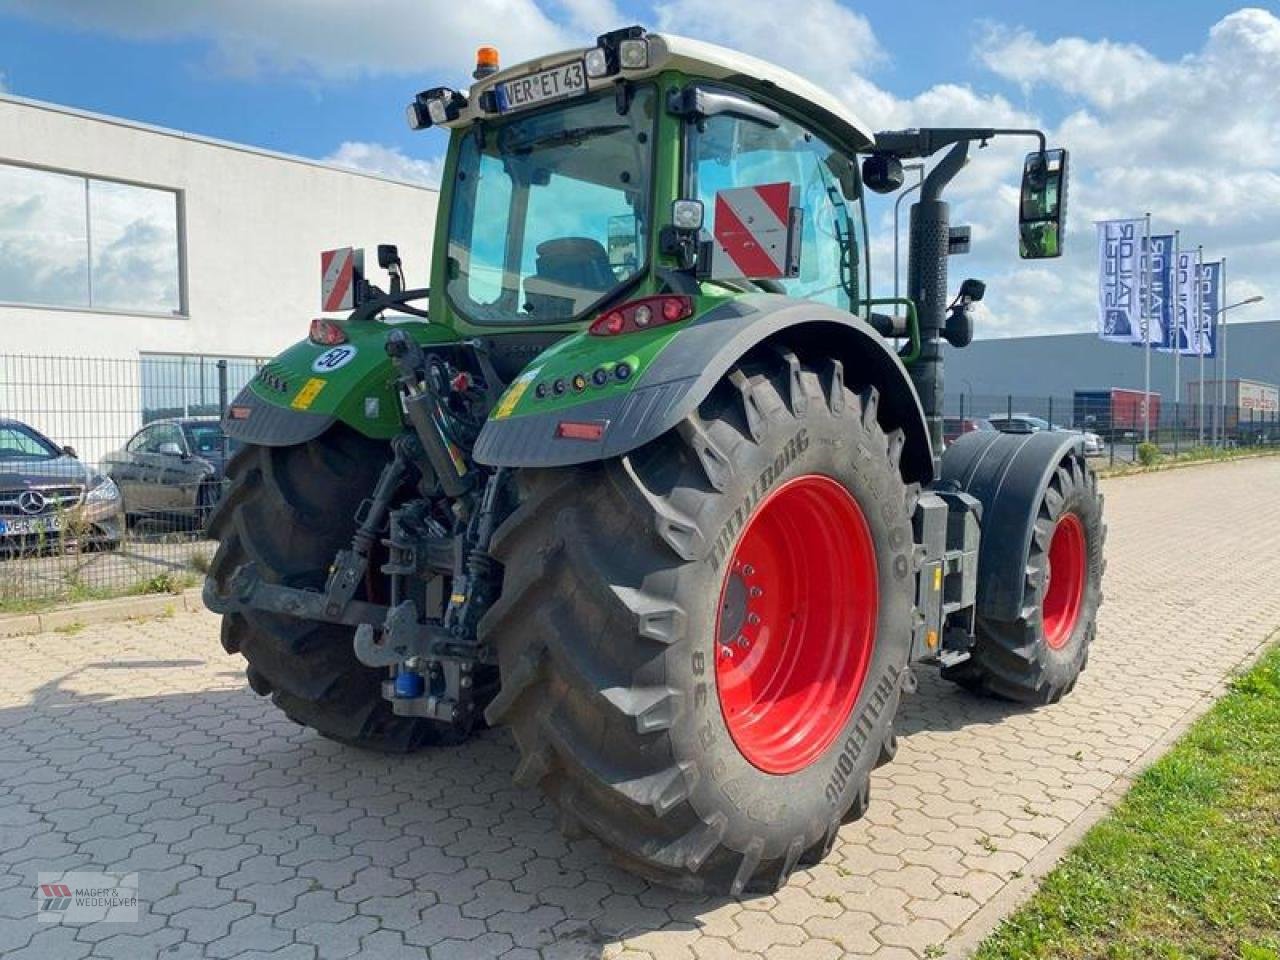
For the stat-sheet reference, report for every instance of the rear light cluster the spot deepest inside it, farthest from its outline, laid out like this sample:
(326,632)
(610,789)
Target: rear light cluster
(327,333)
(642,314)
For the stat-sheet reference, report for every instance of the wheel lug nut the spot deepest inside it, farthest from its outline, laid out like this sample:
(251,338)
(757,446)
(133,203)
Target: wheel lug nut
(757,592)
(726,651)
(753,618)
(748,570)
(743,642)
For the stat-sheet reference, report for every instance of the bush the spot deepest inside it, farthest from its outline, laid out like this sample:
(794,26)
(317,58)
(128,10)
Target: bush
(1148,454)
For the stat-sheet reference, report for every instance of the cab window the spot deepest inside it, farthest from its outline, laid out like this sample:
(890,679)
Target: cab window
(729,151)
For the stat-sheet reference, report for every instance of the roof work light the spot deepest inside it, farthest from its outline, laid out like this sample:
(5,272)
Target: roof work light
(435,106)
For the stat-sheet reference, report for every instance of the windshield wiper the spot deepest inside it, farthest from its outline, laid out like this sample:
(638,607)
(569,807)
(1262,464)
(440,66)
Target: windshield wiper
(570,135)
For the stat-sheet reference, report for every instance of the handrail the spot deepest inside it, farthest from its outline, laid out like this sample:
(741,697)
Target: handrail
(913,323)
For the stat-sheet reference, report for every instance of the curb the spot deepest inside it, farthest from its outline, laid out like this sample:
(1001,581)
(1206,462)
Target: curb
(1182,465)
(970,935)
(101,611)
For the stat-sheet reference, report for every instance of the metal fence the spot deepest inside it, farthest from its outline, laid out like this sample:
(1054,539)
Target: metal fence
(109,469)
(1118,424)
(112,492)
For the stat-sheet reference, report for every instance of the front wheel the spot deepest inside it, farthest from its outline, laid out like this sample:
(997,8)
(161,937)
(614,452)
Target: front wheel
(703,643)
(1037,656)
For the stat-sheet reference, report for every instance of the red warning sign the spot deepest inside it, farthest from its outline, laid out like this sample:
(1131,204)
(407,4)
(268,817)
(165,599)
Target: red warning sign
(755,232)
(339,272)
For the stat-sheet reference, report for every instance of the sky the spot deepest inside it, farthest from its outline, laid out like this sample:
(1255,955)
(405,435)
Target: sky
(1167,106)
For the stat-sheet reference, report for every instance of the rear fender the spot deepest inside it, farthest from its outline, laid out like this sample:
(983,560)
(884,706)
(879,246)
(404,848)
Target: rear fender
(302,392)
(670,383)
(1008,474)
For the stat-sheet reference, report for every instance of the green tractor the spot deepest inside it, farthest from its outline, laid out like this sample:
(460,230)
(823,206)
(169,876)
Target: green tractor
(644,475)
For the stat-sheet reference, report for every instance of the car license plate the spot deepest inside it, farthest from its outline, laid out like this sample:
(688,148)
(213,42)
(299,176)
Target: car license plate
(29,526)
(566,80)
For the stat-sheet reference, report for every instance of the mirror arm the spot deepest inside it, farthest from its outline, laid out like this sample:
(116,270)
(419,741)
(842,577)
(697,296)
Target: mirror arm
(925,142)
(944,171)
(1038,134)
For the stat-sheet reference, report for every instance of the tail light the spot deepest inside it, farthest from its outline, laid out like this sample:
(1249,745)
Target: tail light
(327,333)
(642,314)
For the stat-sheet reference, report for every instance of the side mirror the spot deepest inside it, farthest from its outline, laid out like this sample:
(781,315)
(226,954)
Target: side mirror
(883,173)
(389,260)
(1042,210)
(388,255)
(70,451)
(169,449)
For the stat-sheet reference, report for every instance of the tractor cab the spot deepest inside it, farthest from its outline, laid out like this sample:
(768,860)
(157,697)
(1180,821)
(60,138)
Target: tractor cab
(642,165)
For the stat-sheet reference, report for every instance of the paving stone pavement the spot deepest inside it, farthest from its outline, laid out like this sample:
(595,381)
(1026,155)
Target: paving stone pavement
(137,747)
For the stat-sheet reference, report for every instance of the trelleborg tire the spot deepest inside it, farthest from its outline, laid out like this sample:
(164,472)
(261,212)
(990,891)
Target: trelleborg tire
(289,510)
(1038,656)
(710,724)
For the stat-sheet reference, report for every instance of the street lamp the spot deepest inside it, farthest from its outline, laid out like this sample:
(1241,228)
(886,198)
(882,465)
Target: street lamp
(1222,384)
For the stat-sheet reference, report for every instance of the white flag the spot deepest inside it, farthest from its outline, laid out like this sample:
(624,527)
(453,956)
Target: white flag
(1185,330)
(1121,276)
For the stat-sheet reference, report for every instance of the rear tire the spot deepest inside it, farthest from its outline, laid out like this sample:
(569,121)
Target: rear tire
(289,510)
(1037,657)
(609,634)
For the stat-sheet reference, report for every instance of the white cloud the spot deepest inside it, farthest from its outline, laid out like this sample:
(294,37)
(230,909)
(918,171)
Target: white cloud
(333,39)
(387,162)
(1194,141)
(821,39)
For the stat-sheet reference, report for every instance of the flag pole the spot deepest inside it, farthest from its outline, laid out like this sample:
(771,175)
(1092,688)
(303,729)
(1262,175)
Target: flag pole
(1176,332)
(1200,340)
(1146,338)
(1220,416)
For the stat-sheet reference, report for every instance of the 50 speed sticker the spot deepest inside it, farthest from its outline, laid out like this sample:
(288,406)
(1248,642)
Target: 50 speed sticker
(335,358)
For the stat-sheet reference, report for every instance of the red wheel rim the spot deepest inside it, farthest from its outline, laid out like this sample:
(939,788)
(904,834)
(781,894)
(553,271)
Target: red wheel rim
(1064,591)
(796,623)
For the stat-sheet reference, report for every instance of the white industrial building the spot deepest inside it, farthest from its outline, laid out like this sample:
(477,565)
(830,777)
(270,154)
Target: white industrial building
(134,258)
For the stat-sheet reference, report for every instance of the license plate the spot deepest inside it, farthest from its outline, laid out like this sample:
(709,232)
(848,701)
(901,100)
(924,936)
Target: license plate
(29,526)
(544,86)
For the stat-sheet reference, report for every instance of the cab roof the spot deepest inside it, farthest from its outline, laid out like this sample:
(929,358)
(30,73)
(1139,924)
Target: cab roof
(707,61)
(698,58)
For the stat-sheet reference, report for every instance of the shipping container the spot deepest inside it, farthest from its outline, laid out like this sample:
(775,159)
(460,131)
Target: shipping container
(1115,414)
(1249,412)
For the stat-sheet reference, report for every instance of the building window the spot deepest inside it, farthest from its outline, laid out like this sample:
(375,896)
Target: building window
(79,242)
(179,385)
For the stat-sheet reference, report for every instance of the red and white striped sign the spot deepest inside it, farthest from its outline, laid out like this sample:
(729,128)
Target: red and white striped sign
(753,231)
(339,270)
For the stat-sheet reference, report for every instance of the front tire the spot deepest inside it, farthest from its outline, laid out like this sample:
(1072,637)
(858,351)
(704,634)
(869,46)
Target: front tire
(1037,657)
(624,590)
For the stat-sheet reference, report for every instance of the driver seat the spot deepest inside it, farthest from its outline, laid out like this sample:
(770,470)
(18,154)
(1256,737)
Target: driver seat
(571,273)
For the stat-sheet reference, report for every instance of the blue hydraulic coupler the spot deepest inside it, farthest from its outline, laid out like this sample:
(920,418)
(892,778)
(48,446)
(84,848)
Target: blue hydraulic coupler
(409,685)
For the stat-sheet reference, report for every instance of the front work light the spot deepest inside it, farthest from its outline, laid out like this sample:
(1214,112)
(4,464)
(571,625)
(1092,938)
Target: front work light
(435,106)
(634,54)
(625,49)
(687,214)
(597,63)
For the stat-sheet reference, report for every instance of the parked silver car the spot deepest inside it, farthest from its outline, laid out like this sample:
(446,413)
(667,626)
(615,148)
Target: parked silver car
(48,497)
(1025,423)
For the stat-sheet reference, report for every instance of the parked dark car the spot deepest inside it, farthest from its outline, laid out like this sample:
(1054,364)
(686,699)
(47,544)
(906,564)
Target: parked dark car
(172,470)
(49,498)
(955,427)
